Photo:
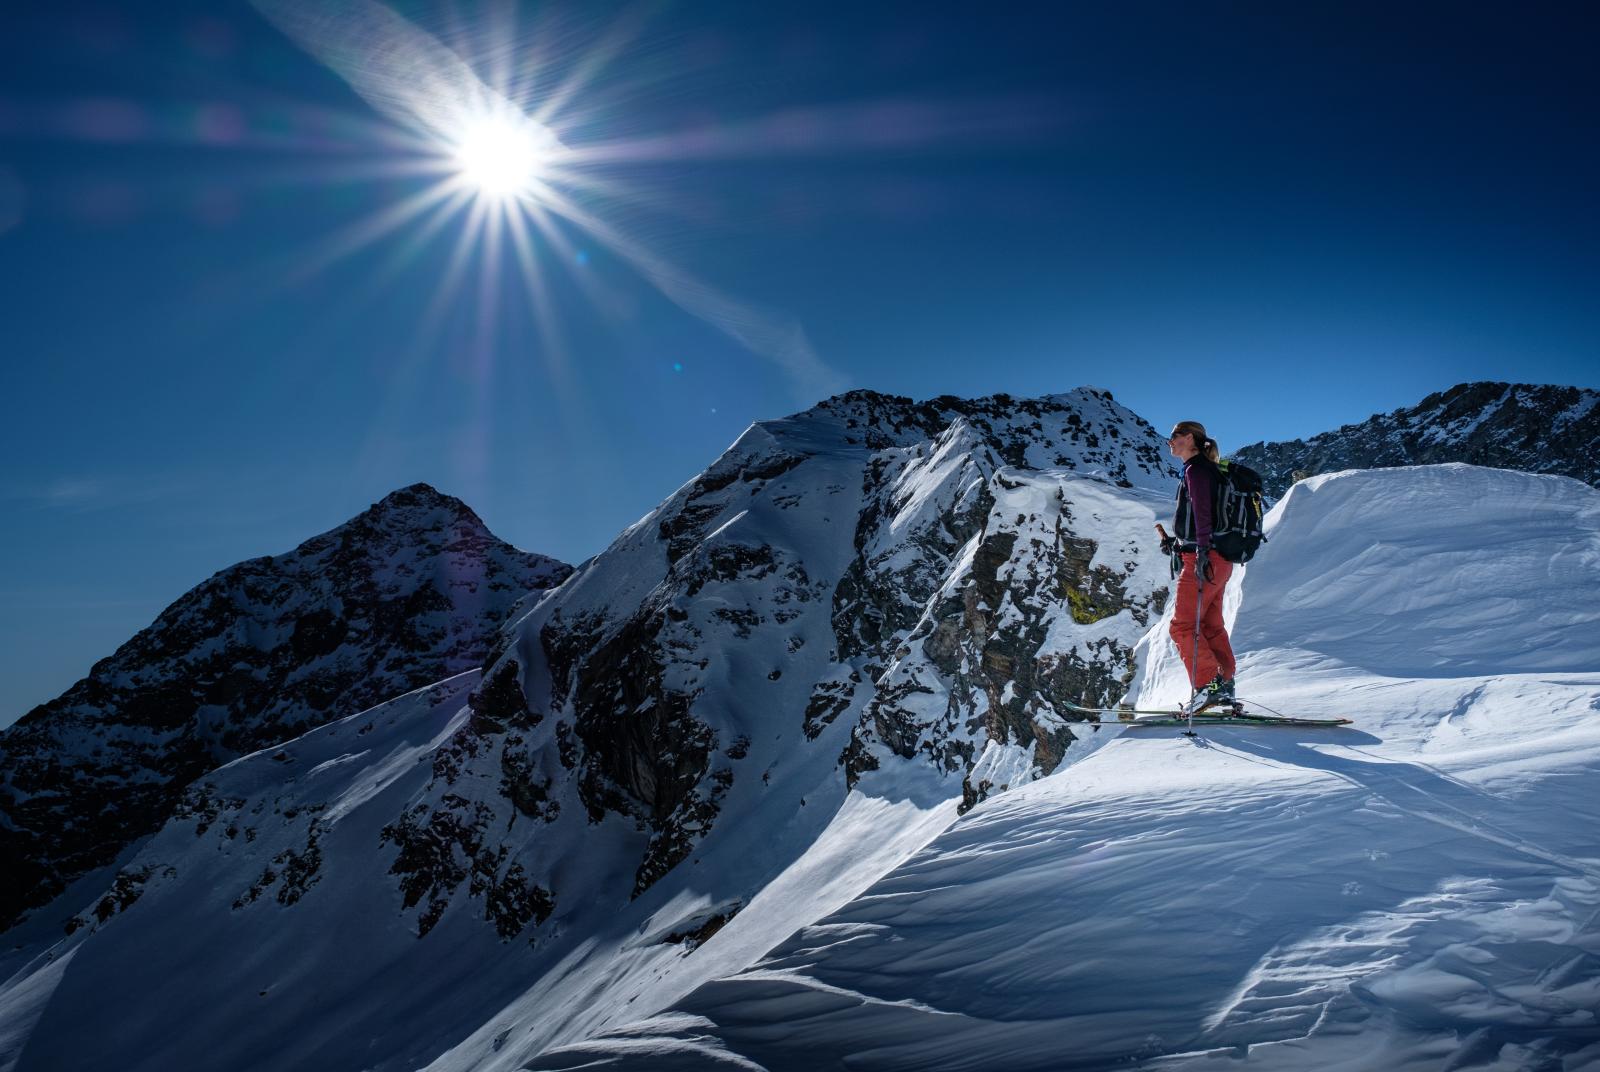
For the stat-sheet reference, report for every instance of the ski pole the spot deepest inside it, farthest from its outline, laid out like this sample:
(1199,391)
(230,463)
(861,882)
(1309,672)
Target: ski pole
(1199,593)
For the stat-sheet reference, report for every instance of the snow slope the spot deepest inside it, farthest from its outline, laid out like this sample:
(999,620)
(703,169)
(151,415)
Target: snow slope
(211,898)
(1421,890)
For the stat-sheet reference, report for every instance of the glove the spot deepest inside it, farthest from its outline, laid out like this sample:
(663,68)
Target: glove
(1202,564)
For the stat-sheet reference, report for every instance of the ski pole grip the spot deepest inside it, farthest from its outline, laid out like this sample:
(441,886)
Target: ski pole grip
(1162,531)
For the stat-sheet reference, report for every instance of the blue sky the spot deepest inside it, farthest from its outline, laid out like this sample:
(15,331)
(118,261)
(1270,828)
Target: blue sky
(1274,218)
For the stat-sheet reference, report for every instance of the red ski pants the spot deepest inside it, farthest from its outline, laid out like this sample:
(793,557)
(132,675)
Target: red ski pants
(1213,654)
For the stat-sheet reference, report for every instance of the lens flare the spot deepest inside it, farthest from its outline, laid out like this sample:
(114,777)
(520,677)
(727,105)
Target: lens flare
(502,156)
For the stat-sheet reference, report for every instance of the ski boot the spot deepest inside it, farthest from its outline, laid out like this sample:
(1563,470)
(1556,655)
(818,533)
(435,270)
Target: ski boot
(1215,699)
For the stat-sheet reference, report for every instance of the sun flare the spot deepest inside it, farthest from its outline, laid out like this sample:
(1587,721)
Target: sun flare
(494,146)
(502,156)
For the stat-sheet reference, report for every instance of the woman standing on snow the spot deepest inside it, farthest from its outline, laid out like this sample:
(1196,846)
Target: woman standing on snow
(1205,649)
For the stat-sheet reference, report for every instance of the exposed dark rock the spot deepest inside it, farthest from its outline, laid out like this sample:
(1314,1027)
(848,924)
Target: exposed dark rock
(673,839)
(524,786)
(700,931)
(685,527)
(125,889)
(444,847)
(299,870)
(829,700)
(500,702)
(512,902)
(639,736)
(201,803)
(973,795)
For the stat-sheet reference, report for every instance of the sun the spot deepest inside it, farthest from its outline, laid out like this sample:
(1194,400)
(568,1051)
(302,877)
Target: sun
(502,156)
(491,149)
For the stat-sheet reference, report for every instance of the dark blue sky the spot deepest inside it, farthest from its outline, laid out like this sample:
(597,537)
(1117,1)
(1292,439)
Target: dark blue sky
(1276,218)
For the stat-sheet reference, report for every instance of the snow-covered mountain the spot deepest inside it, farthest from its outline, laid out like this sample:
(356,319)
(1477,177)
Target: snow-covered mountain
(1528,427)
(1418,891)
(876,592)
(407,593)
(770,725)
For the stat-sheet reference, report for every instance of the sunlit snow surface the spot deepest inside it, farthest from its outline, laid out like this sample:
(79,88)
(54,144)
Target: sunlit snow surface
(1421,890)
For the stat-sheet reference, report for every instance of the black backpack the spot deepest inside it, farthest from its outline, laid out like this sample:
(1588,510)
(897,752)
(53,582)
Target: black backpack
(1236,514)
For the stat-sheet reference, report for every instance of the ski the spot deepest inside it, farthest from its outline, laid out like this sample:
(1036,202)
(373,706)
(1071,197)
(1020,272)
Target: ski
(1235,716)
(1243,719)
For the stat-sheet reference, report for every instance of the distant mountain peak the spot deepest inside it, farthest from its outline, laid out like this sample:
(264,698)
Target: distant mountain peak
(1535,428)
(418,496)
(404,507)
(410,591)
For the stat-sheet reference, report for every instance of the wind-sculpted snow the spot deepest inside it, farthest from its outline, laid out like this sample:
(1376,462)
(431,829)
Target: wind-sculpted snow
(1308,911)
(1473,545)
(407,593)
(1418,891)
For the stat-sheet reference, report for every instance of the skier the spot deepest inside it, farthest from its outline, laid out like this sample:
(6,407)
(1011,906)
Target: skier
(1197,626)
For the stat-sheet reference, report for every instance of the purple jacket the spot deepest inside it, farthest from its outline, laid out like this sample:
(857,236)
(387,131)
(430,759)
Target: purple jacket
(1199,491)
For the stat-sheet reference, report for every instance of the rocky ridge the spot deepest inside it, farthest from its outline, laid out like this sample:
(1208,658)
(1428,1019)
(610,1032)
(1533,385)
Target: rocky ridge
(1528,427)
(872,580)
